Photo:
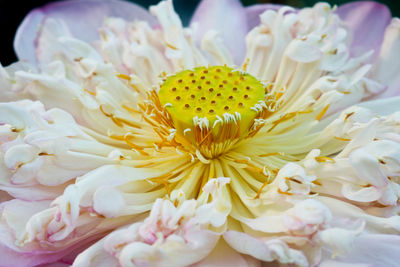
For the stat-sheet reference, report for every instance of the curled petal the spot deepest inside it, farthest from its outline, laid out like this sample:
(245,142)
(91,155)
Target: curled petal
(170,236)
(95,256)
(14,214)
(43,148)
(303,52)
(253,13)
(341,241)
(265,250)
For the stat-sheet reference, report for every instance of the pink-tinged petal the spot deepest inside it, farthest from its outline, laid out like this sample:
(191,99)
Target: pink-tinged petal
(253,13)
(228,17)
(388,66)
(270,250)
(383,107)
(95,255)
(332,263)
(83,18)
(10,258)
(170,236)
(368,21)
(55,264)
(378,250)
(14,214)
(223,255)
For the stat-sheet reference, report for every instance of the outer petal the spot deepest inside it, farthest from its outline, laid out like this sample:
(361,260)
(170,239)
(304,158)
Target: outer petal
(96,256)
(377,250)
(383,107)
(223,255)
(253,13)
(15,213)
(83,18)
(331,263)
(368,21)
(71,222)
(388,66)
(228,17)
(12,258)
(266,251)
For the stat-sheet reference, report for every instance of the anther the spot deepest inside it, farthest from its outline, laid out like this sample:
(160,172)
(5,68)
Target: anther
(174,89)
(191,74)
(247,87)
(213,102)
(221,85)
(218,70)
(202,77)
(193,81)
(186,88)
(193,96)
(187,106)
(211,111)
(246,96)
(235,89)
(203,98)
(225,81)
(226,108)
(180,81)
(178,98)
(205,71)
(230,97)
(211,89)
(199,87)
(219,94)
(198,109)
(208,82)
(240,104)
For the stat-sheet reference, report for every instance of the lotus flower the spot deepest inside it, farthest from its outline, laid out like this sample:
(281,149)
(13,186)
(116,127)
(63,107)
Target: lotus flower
(254,136)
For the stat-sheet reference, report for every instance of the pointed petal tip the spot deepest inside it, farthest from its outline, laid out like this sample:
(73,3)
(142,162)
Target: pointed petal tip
(228,17)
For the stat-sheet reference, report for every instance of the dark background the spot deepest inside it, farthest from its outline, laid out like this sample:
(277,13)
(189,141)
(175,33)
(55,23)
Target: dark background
(12,13)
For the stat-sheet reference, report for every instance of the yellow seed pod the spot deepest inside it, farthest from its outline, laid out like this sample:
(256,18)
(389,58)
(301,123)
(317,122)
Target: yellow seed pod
(210,92)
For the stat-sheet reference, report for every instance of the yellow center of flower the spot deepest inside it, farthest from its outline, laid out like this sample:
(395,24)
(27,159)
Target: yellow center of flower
(211,92)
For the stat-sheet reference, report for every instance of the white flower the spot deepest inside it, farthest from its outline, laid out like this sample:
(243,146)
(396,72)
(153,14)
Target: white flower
(254,135)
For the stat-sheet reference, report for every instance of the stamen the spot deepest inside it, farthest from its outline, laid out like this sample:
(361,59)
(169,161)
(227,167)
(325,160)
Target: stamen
(322,113)
(324,159)
(342,139)
(124,76)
